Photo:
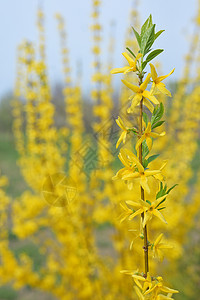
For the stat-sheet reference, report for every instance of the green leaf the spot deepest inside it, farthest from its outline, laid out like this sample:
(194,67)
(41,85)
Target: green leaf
(158,33)
(157,124)
(148,202)
(151,158)
(137,37)
(147,40)
(153,54)
(130,51)
(134,151)
(161,185)
(157,113)
(169,190)
(161,208)
(148,23)
(145,149)
(161,191)
(145,163)
(161,202)
(145,118)
(144,64)
(165,188)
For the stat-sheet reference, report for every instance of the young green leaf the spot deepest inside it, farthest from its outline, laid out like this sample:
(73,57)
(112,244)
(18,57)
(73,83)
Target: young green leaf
(161,202)
(144,64)
(161,208)
(161,185)
(158,33)
(145,163)
(145,149)
(148,23)
(157,124)
(130,51)
(151,158)
(169,190)
(134,151)
(137,37)
(165,188)
(162,191)
(145,118)
(147,40)
(148,202)
(157,113)
(153,54)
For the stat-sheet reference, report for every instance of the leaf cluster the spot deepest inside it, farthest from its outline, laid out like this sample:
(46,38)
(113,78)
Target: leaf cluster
(157,115)
(164,191)
(145,41)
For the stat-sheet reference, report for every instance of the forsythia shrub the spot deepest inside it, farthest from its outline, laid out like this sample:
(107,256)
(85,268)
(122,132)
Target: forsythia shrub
(136,165)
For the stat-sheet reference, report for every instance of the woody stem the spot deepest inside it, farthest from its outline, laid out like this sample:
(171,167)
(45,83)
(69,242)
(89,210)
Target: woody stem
(146,259)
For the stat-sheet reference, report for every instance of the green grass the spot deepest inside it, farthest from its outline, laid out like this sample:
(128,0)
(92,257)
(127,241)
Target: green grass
(195,165)
(9,167)
(7,293)
(31,250)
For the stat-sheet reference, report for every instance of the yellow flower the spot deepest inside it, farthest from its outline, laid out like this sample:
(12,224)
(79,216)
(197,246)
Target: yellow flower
(132,65)
(148,104)
(159,176)
(127,213)
(147,281)
(153,210)
(123,134)
(158,247)
(139,294)
(157,84)
(128,164)
(147,135)
(133,169)
(140,93)
(160,287)
(141,205)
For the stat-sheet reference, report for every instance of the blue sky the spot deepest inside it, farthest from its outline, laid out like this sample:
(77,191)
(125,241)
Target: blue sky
(18,18)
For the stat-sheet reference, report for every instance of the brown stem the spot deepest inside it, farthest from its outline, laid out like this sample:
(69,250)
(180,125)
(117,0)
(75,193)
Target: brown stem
(146,259)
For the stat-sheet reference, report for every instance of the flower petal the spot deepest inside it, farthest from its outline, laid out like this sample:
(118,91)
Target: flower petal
(148,95)
(158,214)
(132,203)
(143,86)
(148,104)
(121,138)
(123,158)
(134,159)
(119,70)
(120,123)
(128,58)
(138,212)
(131,176)
(131,86)
(151,173)
(154,75)
(149,143)
(155,135)
(147,218)
(161,78)
(144,184)
(159,238)
(139,142)
(161,87)
(136,100)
